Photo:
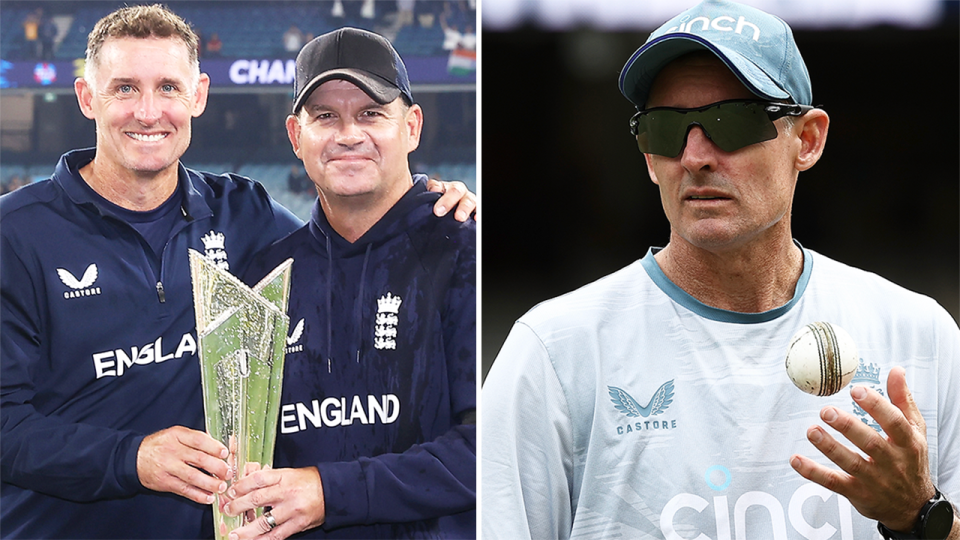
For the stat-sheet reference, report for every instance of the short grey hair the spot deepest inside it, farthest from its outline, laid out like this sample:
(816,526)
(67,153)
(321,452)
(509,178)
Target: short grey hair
(142,22)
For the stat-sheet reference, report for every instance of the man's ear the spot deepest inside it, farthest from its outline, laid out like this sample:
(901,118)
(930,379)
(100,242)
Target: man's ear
(653,176)
(293,133)
(84,91)
(414,124)
(812,128)
(201,94)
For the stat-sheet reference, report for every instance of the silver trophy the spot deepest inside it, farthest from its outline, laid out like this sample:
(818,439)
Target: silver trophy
(241,333)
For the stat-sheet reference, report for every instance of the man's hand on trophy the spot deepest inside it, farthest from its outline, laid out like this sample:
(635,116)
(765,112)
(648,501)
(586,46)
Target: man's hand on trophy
(183,461)
(294,495)
(249,468)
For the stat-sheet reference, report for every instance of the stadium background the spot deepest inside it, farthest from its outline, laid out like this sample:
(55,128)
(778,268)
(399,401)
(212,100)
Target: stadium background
(242,129)
(566,195)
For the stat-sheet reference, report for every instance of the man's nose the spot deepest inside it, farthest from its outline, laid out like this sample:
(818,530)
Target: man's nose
(699,152)
(148,109)
(349,133)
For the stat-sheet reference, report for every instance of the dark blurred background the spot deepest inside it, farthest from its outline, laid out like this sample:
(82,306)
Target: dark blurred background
(567,198)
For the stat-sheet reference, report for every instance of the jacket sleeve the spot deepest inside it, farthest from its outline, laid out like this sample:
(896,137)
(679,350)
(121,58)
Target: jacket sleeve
(435,478)
(427,481)
(527,444)
(41,452)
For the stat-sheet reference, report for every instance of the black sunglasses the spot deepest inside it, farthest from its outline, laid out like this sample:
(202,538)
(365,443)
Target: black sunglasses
(731,125)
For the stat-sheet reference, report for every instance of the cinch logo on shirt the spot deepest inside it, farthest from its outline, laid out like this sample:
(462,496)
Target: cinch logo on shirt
(722,23)
(756,514)
(342,411)
(293,339)
(81,287)
(661,400)
(116,362)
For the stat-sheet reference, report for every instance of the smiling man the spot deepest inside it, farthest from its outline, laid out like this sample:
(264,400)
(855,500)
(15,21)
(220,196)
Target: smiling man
(360,171)
(377,428)
(143,116)
(654,403)
(101,403)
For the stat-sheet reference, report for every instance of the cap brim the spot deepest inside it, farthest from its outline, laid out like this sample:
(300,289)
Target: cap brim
(643,67)
(379,90)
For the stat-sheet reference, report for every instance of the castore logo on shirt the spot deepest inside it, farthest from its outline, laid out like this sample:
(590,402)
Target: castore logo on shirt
(81,287)
(293,340)
(661,400)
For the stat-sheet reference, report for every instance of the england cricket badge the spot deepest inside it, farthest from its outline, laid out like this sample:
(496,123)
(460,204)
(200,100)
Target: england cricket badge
(868,375)
(215,250)
(242,334)
(385,331)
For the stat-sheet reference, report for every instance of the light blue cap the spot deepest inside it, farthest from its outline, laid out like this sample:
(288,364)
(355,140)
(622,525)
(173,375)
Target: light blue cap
(757,47)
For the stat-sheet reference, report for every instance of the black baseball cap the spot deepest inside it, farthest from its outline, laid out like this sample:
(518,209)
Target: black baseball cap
(364,58)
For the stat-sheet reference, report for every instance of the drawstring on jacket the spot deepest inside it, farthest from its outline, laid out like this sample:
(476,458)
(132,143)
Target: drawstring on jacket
(359,307)
(383,231)
(329,302)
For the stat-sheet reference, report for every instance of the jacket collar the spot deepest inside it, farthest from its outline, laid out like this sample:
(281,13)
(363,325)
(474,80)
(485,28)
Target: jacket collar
(67,176)
(415,201)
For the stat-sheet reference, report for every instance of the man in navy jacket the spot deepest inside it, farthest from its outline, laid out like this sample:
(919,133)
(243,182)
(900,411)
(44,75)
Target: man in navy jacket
(101,412)
(377,434)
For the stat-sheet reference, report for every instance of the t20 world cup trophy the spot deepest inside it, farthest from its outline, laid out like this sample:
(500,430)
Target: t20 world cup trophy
(241,333)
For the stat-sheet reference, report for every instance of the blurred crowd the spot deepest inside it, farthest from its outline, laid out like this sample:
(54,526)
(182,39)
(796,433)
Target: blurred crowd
(39,36)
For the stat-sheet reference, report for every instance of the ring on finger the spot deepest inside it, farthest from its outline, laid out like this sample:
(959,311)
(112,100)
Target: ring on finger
(271,521)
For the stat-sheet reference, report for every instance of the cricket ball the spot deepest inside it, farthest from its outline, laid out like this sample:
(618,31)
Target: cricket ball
(822,359)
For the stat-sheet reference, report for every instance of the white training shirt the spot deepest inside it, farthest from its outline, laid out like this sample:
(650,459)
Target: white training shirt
(715,420)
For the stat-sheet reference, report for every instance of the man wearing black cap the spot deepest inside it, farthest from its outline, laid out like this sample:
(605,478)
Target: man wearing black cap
(377,429)
(653,403)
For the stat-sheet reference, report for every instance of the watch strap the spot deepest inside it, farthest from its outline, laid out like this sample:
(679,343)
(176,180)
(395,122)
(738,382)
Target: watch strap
(894,535)
(917,532)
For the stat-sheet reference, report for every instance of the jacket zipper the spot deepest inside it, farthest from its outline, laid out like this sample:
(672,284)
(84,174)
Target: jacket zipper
(163,297)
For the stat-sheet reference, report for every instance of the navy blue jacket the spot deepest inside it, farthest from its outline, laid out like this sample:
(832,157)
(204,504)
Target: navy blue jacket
(93,359)
(379,383)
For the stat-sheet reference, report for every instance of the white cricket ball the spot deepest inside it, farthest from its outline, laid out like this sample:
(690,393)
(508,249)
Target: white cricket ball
(822,359)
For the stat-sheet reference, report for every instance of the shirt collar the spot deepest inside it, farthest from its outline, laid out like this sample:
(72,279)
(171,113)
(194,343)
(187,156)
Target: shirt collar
(683,298)
(67,175)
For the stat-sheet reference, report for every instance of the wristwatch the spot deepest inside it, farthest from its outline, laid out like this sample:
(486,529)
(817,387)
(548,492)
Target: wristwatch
(934,523)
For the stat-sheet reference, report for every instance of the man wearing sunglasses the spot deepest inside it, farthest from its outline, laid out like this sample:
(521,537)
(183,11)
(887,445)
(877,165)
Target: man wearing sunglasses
(654,404)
